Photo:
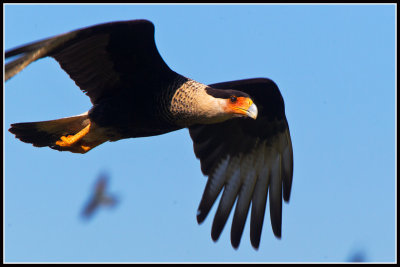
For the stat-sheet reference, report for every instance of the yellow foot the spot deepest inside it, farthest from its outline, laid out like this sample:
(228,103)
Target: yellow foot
(66,141)
(85,148)
(70,140)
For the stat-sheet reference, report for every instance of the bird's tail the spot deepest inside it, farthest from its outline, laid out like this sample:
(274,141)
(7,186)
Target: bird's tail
(66,134)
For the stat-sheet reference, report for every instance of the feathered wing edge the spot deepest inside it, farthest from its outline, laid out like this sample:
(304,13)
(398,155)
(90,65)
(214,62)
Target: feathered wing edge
(31,52)
(247,178)
(246,160)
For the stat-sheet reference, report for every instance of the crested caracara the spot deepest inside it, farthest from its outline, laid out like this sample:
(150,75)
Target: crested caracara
(239,129)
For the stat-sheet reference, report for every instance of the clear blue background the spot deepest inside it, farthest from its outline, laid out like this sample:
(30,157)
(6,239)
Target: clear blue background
(335,66)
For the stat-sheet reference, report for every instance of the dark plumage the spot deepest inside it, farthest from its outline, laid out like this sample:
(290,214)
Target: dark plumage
(239,129)
(256,150)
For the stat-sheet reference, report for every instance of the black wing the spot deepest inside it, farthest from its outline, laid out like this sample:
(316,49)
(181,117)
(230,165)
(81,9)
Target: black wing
(247,158)
(101,59)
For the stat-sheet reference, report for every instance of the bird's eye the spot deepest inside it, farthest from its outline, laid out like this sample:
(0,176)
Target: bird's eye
(233,99)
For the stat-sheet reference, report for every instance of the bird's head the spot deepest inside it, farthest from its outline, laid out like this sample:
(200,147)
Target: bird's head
(234,103)
(201,104)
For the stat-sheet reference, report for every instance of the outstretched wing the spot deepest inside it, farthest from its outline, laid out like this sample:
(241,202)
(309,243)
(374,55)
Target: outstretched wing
(101,59)
(247,159)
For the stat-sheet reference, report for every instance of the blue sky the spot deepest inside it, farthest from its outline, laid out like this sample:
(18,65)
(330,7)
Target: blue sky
(335,66)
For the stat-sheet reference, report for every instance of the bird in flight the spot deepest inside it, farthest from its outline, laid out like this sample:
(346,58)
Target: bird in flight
(239,129)
(99,198)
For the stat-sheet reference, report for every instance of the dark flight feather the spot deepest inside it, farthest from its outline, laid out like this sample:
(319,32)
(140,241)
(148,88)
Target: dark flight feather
(260,153)
(102,59)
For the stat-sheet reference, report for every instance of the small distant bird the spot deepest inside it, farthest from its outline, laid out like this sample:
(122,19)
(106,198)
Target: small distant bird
(239,128)
(99,198)
(357,256)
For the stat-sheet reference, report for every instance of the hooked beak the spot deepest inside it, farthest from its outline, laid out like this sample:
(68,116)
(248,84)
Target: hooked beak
(252,111)
(249,109)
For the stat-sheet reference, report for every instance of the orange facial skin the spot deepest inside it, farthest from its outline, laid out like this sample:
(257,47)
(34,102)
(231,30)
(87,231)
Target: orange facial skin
(241,106)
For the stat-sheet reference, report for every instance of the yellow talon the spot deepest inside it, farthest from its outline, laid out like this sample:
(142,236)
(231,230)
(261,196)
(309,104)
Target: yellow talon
(86,148)
(72,139)
(65,138)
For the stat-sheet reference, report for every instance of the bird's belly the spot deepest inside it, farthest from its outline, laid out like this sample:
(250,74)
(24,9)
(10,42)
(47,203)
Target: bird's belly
(126,119)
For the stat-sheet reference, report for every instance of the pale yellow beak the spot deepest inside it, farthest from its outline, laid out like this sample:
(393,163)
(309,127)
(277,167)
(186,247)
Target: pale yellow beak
(252,111)
(248,110)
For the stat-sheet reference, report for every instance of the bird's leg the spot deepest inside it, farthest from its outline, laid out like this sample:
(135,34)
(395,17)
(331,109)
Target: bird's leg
(70,140)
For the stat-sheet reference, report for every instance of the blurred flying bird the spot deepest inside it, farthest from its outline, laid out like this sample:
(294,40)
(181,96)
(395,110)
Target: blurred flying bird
(357,256)
(99,197)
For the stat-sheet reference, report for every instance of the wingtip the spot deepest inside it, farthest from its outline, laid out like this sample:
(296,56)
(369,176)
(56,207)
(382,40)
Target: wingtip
(214,236)
(255,245)
(277,232)
(255,239)
(200,216)
(235,238)
(235,244)
(216,230)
